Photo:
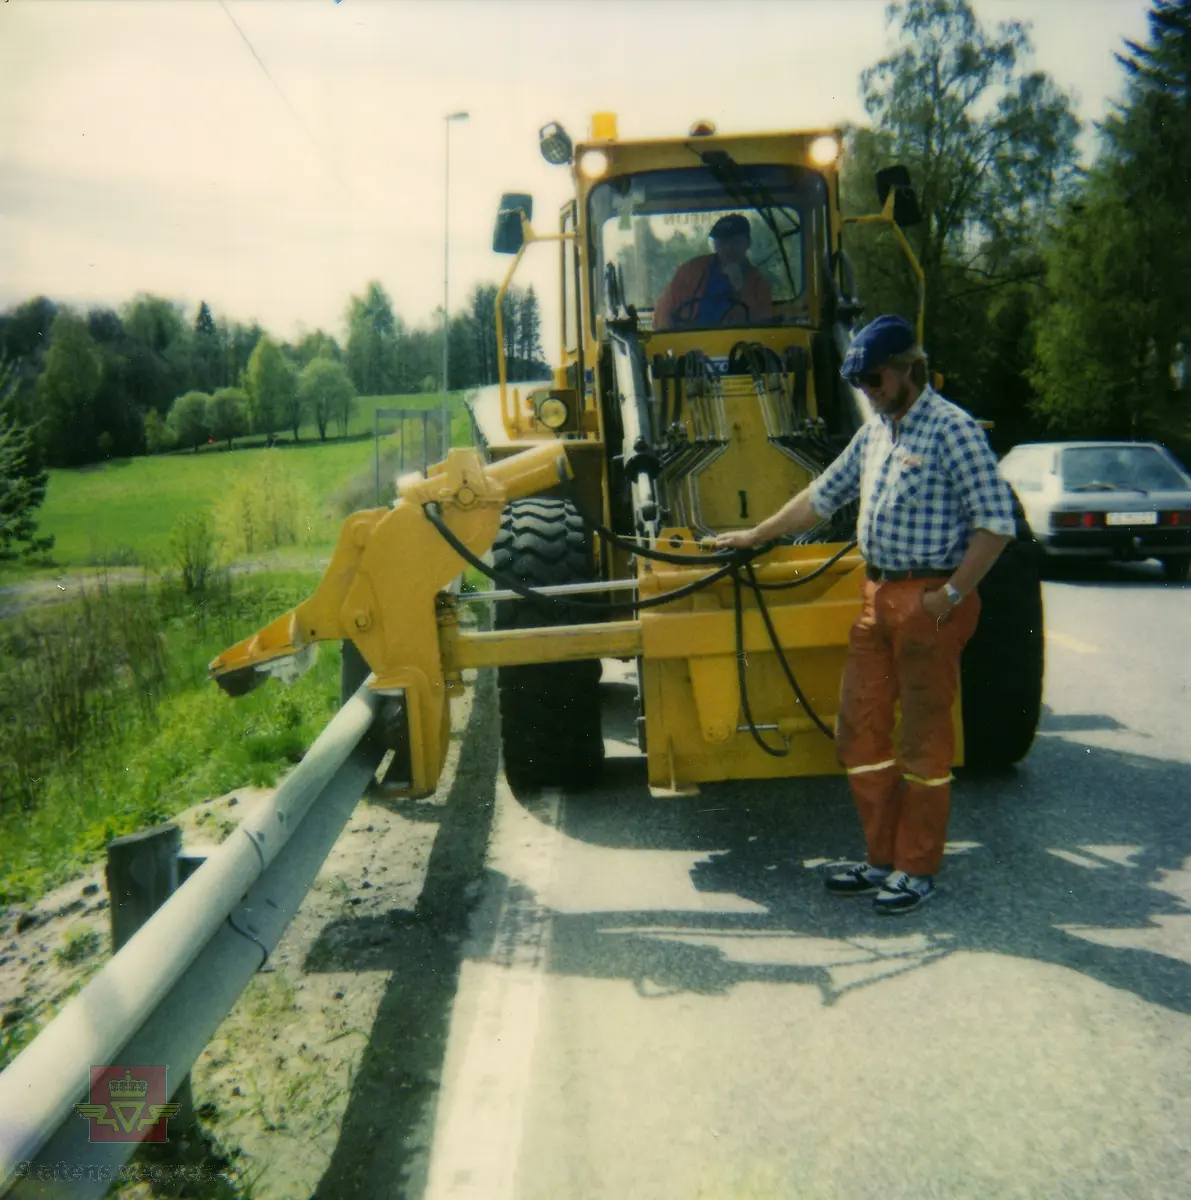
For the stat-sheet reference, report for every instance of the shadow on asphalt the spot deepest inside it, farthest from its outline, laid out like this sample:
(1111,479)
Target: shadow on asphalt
(388,1128)
(1081,858)
(1076,858)
(1094,573)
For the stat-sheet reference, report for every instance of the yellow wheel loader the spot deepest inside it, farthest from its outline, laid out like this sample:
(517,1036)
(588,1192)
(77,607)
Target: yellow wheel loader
(696,393)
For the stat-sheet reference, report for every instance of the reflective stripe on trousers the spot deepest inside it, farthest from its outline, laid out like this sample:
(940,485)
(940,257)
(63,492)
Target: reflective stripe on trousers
(897,652)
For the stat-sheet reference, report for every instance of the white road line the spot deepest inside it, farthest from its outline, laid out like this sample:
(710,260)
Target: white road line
(480,1123)
(1063,639)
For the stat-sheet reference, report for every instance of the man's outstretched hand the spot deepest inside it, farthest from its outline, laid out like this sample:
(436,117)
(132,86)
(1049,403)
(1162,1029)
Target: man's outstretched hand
(739,539)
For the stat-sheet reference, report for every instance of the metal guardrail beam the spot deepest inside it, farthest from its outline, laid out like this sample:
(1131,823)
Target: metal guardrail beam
(161,998)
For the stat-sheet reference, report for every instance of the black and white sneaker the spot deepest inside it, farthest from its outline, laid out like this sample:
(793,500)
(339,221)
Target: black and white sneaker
(857,880)
(902,893)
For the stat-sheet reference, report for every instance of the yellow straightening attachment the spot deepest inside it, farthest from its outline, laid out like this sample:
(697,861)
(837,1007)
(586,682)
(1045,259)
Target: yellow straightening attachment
(381,585)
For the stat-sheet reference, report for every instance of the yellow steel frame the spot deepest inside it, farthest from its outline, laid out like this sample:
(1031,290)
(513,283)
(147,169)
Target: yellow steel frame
(885,217)
(382,587)
(512,417)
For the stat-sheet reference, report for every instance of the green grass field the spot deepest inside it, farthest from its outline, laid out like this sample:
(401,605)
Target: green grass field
(121,512)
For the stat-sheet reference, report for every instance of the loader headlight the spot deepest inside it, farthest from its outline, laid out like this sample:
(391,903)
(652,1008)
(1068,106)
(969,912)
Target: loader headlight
(593,163)
(824,151)
(553,412)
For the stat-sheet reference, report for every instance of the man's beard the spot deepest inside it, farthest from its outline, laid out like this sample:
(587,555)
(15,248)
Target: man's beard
(900,402)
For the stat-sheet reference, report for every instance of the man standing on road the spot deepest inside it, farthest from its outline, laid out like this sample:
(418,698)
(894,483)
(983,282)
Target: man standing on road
(934,516)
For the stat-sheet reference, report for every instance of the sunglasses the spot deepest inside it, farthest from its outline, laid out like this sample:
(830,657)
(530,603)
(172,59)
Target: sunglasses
(869,379)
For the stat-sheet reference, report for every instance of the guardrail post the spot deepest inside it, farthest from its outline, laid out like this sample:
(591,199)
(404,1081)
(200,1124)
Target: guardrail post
(142,873)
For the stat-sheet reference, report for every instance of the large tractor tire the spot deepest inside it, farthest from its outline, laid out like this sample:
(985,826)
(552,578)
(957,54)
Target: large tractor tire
(1002,665)
(549,713)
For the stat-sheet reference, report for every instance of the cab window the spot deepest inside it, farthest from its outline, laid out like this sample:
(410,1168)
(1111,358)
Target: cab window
(644,227)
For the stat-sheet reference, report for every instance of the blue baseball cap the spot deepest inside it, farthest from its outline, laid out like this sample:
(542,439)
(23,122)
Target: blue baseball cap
(876,343)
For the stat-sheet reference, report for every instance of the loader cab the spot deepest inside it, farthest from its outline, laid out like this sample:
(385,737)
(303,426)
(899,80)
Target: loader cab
(653,229)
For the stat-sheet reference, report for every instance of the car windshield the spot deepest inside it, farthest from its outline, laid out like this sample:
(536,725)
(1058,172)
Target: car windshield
(646,226)
(1117,468)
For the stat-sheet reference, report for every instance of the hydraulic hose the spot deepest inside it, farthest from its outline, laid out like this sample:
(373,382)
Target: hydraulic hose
(434,516)
(734,562)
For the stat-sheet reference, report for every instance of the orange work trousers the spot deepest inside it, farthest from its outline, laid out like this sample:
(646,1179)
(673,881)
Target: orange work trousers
(898,652)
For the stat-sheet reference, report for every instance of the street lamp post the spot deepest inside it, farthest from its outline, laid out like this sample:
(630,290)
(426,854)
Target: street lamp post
(449,120)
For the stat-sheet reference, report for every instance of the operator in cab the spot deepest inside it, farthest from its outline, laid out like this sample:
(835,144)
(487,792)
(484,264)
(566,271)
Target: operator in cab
(723,288)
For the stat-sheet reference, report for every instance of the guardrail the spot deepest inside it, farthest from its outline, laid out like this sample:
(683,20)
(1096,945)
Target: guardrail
(162,996)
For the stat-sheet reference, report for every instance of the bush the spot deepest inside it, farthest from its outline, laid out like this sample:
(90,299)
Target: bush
(140,750)
(188,417)
(228,414)
(267,509)
(70,674)
(194,547)
(159,437)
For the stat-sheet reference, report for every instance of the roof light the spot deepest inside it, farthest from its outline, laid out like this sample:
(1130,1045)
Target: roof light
(824,151)
(702,129)
(593,163)
(603,127)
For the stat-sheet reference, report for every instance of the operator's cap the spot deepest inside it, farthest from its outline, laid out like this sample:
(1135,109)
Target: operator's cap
(876,343)
(733,225)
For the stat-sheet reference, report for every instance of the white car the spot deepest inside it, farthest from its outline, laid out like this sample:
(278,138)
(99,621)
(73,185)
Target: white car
(1105,500)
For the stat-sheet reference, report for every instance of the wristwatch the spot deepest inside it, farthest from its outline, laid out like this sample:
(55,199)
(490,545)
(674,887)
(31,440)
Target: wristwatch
(953,594)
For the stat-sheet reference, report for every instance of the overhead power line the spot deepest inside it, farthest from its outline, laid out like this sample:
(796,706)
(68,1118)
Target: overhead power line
(297,116)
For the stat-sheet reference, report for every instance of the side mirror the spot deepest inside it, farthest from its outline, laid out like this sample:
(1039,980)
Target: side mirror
(507,238)
(905,203)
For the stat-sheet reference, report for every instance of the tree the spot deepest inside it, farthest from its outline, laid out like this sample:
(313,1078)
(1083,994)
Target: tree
(292,408)
(159,437)
(227,414)
(1119,263)
(991,149)
(24,342)
(327,394)
(372,336)
(66,391)
(316,345)
(159,356)
(270,382)
(22,478)
(117,417)
(207,366)
(188,419)
(239,343)
(482,303)
(529,336)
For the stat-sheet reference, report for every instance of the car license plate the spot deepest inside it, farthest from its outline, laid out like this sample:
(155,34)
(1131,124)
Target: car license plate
(1133,518)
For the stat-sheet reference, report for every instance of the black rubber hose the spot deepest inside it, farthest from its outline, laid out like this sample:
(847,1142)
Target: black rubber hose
(528,593)
(781,655)
(434,516)
(793,583)
(742,673)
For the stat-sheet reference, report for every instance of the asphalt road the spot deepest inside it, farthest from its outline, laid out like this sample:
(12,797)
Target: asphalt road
(657,998)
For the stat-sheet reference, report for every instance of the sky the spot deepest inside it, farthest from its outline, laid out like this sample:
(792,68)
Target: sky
(273,156)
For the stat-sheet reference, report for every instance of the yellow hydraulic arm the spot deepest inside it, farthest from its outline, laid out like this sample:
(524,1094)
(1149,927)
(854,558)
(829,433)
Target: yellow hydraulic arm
(384,589)
(381,586)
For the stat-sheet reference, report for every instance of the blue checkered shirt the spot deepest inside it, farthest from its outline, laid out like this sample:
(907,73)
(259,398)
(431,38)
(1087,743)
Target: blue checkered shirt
(925,484)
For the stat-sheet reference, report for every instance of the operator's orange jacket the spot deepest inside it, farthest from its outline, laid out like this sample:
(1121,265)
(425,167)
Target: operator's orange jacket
(690,284)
